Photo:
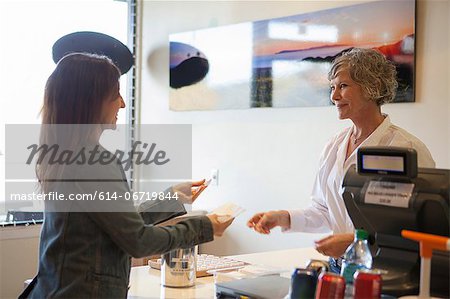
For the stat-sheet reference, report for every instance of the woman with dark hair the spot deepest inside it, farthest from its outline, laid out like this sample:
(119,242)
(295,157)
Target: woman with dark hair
(86,247)
(361,81)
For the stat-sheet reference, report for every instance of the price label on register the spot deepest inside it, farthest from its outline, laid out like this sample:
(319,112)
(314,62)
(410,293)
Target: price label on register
(389,194)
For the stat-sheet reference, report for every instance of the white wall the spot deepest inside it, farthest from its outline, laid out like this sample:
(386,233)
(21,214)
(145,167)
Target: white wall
(267,158)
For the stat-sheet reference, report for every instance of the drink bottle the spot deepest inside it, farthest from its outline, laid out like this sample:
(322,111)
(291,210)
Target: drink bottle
(357,256)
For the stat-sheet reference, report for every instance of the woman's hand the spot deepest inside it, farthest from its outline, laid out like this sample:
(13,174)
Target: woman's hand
(265,221)
(334,245)
(219,227)
(189,191)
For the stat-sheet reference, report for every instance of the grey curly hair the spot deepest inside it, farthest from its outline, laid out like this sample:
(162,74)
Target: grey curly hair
(371,70)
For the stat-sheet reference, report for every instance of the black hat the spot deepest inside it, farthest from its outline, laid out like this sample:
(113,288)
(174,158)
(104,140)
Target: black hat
(94,43)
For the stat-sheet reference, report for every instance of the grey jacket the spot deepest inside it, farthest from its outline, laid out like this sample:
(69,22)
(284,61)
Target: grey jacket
(87,254)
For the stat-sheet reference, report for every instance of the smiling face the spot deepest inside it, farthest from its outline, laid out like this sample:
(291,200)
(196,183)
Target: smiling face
(111,107)
(349,98)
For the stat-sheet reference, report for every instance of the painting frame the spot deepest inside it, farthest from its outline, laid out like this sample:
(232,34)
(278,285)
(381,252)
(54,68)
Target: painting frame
(283,62)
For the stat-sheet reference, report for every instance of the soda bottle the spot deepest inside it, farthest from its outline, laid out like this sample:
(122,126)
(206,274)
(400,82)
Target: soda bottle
(357,256)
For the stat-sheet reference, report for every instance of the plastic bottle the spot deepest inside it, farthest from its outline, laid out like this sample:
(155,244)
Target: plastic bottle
(357,256)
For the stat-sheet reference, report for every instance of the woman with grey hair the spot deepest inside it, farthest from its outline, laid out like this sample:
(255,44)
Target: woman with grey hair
(361,81)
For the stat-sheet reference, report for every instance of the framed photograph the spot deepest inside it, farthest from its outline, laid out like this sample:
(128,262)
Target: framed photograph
(284,62)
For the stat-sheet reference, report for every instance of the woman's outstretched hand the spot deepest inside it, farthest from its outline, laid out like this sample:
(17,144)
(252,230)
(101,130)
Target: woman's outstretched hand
(265,221)
(189,191)
(218,226)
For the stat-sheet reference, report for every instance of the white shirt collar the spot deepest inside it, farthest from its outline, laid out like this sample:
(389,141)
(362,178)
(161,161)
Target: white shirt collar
(372,140)
(379,132)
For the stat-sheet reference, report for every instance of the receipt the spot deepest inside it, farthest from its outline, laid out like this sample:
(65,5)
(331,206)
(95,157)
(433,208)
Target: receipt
(228,211)
(262,270)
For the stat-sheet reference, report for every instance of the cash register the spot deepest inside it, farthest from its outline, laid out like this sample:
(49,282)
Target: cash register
(385,193)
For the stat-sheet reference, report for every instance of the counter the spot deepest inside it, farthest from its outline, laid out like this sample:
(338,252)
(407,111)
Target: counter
(145,282)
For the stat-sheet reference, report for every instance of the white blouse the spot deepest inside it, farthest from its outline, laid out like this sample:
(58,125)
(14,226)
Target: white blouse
(327,211)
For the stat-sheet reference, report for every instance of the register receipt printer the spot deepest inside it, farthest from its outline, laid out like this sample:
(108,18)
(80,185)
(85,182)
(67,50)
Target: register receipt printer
(385,193)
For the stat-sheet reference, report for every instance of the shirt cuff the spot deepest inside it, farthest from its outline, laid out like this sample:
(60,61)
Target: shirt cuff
(297,221)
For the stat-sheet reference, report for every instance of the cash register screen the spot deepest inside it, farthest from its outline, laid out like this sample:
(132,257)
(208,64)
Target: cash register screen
(425,209)
(387,163)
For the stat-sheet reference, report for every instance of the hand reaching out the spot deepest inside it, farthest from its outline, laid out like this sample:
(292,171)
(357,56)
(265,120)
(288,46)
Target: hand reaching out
(189,191)
(265,221)
(334,245)
(219,227)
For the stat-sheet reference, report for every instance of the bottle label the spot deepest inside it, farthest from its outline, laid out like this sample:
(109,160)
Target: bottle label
(349,269)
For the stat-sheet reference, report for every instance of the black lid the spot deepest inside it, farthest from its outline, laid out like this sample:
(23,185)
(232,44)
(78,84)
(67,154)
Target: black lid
(95,43)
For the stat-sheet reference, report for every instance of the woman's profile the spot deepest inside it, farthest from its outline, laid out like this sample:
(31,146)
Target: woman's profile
(86,245)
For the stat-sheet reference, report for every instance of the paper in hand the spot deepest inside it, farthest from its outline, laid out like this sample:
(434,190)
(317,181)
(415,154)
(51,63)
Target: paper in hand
(227,211)
(196,190)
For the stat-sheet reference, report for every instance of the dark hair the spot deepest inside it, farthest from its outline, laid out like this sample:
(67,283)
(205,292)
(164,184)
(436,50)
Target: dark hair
(73,101)
(77,88)
(371,70)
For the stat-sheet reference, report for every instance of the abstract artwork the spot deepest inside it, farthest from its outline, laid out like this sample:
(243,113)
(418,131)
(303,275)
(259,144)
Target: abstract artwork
(284,62)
